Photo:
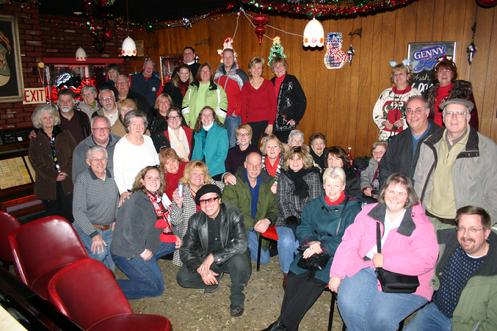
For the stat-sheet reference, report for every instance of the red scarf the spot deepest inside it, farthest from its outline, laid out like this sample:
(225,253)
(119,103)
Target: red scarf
(338,201)
(272,169)
(162,222)
(183,86)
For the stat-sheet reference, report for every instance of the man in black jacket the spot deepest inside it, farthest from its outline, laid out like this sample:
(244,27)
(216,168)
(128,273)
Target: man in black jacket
(215,242)
(403,149)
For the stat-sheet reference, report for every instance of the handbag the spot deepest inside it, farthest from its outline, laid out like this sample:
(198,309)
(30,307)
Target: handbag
(393,282)
(314,262)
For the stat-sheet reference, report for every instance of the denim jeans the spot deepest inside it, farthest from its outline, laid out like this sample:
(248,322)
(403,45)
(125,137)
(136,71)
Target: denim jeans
(164,249)
(364,307)
(144,277)
(231,123)
(287,245)
(104,257)
(429,318)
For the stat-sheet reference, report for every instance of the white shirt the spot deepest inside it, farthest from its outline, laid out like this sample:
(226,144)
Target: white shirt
(129,159)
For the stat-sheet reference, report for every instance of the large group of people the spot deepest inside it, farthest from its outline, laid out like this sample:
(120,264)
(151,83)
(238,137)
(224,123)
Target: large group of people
(201,168)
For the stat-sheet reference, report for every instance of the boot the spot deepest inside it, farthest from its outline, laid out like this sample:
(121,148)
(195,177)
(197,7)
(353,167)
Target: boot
(276,326)
(285,278)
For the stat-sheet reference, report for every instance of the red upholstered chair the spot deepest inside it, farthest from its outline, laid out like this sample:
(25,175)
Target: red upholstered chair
(270,234)
(8,223)
(88,294)
(41,247)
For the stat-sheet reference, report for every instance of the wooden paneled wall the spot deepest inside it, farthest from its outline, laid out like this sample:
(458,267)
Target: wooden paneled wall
(340,102)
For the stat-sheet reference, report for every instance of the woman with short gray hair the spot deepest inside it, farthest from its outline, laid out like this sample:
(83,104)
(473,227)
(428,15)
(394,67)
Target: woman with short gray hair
(50,153)
(133,152)
(89,104)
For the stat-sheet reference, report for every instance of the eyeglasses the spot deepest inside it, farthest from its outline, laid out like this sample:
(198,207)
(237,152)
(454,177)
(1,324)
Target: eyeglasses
(470,230)
(208,201)
(100,129)
(173,117)
(452,113)
(106,99)
(418,110)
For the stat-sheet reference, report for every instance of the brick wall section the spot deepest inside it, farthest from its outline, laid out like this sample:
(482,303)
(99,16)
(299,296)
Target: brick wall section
(48,36)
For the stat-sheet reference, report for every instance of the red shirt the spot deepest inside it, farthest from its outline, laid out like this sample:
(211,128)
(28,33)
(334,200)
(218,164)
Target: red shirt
(442,95)
(277,85)
(336,202)
(258,104)
(172,180)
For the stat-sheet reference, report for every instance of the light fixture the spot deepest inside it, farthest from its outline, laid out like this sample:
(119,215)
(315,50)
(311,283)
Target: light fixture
(314,34)
(128,47)
(80,54)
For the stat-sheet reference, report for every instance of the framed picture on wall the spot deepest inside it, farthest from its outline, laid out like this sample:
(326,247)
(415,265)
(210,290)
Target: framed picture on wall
(167,65)
(11,84)
(423,58)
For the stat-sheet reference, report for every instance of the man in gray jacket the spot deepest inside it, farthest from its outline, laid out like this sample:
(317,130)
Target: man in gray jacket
(456,167)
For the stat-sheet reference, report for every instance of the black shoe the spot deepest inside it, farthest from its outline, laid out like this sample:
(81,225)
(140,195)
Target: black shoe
(276,326)
(236,311)
(213,288)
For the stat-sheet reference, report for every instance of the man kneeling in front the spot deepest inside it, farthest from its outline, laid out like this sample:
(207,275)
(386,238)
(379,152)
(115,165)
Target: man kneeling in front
(215,242)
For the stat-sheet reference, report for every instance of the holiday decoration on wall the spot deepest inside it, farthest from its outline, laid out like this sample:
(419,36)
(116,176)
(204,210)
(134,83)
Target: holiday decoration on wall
(351,50)
(276,51)
(335,57)
(486,3)
(260,21)
(313,34)
(326,8)
(472,49)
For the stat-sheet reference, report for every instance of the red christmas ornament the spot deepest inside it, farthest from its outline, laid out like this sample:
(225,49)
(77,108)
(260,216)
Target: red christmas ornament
(108,34)
(260,21)
(486,3)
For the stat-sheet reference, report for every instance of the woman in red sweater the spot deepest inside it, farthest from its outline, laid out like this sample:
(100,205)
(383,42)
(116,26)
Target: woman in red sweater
(258,102)
(172,167)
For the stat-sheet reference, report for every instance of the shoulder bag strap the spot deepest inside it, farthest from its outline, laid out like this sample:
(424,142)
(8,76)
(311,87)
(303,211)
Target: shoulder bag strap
(378,237)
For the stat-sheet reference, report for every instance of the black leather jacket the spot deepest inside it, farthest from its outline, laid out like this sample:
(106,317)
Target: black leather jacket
(196,240)
(291,103)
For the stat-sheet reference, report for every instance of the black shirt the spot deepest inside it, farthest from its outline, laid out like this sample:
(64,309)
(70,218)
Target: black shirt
(214,230)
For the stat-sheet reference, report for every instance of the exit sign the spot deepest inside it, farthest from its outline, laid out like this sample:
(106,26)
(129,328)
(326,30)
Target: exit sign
(34,95)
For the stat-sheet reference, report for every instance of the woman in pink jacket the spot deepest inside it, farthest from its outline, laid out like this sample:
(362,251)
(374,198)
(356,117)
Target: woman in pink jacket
(408,246)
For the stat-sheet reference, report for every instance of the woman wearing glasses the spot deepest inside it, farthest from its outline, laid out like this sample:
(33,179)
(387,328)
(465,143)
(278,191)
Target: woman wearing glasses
(175,135)
(408,247)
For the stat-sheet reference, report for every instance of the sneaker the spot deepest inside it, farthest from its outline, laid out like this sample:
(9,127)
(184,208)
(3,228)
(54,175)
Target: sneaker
(236,311)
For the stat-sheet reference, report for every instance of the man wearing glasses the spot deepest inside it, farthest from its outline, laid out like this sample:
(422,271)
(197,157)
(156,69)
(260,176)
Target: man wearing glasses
(215,242)
(456,167)
(403,149)
(465,279)
(100,136)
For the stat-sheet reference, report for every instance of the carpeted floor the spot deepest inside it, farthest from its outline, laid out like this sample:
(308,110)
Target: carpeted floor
(190,309)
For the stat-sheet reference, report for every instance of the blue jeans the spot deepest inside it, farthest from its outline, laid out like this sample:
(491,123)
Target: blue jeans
(364,307)
(287,246)
(231,123)
(104,257)
(430,318)
(144,277)
(164,249)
